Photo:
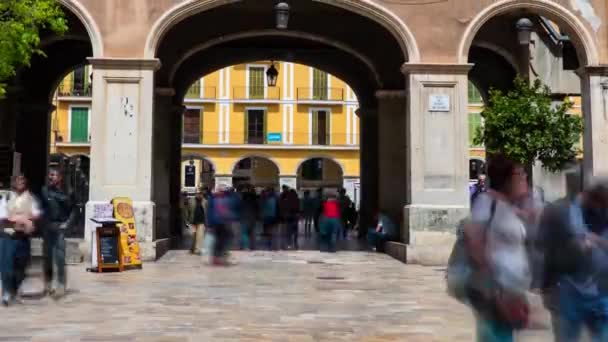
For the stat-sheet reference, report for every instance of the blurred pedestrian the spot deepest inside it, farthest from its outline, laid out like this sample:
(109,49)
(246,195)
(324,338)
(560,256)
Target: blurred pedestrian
(345,203)
(59,217)
(21,214)
(385,230)
(221,216)
(496,241)
(197,222)
(330,224)
(574,237)
(269,213)
(308,209)
(479,187)
(250,209)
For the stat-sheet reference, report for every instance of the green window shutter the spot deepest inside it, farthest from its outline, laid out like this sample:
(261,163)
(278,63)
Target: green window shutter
(72,83)
(327,128)
(265,128)
(246,135)
(319,83)
(256,82)
(474,123)
(201,126)
(474,94)
(80,125)
(86,79)
(315,127)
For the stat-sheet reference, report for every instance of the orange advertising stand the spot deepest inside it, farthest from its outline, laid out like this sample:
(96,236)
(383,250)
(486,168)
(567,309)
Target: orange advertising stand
(129,247)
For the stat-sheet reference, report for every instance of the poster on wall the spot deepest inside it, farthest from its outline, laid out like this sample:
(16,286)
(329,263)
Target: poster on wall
(123,212)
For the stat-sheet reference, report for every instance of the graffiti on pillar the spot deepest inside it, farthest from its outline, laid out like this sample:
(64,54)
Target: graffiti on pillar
(128,108)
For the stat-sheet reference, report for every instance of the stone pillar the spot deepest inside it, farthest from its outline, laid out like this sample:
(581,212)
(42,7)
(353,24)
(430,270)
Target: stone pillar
(121,145)
(368,166)
(167,162)
(594,88)
(32,140)
(437,159)
(392,156)
(289,181)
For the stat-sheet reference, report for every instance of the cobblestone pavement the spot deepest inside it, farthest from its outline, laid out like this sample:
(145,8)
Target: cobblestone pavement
(267,296)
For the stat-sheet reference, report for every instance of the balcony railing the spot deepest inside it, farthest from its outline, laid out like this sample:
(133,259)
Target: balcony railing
(66,90)
(273,138)
(196,93)
(320,94)
(257,93)
(69,137)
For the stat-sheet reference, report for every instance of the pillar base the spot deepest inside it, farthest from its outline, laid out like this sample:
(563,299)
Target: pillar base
(430,231)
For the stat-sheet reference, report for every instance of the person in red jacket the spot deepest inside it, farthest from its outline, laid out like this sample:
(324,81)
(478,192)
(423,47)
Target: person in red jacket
(330,225)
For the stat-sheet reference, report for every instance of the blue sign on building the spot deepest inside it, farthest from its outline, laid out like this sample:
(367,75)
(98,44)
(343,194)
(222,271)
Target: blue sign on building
(274,137)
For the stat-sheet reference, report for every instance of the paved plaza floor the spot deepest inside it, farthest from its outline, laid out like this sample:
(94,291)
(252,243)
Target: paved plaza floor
(267,296)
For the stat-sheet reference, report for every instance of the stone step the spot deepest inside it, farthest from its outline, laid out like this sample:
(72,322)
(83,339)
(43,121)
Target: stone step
(73,250)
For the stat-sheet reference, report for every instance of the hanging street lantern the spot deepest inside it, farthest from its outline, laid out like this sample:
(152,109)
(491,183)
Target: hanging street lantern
(282,15)
(524,28)
(272,75)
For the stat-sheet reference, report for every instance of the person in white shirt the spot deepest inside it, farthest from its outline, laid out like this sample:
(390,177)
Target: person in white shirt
(22,211)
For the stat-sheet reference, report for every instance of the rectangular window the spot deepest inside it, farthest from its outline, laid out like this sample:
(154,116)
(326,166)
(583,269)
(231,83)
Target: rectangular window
(319,85)
(320,127)
(79,127)
(474,123)
(192,126)
(256,82)
(255,126)
(80,82)
(190,176)
(474,94)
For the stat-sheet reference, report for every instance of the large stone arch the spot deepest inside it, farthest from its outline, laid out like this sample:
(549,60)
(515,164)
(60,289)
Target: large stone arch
(96,39)
(583,39)
(365,8)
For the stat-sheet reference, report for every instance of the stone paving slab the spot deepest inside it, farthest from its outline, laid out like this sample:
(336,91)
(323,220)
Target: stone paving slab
(267,296)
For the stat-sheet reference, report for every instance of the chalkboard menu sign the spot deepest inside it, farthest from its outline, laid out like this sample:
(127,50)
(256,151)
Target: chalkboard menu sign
(108,249)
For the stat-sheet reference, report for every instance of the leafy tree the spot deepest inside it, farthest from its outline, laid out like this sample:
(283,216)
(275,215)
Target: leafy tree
(526,126)
(21,22)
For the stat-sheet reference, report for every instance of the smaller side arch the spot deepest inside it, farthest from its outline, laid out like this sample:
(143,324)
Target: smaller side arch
(89,23)
(586,47)
(320,156)
(189,156)
(257,155)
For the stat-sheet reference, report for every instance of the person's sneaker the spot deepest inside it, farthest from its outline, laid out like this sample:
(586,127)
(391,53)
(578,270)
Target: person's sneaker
(58,293)
(6,299)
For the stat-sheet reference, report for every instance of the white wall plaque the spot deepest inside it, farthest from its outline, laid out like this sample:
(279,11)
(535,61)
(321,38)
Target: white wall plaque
(439,103)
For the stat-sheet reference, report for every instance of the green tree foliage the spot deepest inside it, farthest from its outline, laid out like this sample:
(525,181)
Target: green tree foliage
(21,22)
(526,126)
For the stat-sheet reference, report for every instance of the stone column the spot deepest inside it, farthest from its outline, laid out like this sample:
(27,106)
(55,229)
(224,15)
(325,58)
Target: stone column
(594,87)
(167,162)
(290,181)
(368,166)
(392,156)
(121,143)
(437,158)
(32,140)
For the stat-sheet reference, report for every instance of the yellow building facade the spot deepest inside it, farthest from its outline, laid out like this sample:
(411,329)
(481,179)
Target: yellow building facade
(303,132)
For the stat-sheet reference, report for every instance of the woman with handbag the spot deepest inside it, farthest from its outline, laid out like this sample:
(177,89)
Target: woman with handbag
(496,242)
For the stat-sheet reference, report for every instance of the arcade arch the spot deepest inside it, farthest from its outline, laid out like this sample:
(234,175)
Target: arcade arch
(320,172)
(258,171)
